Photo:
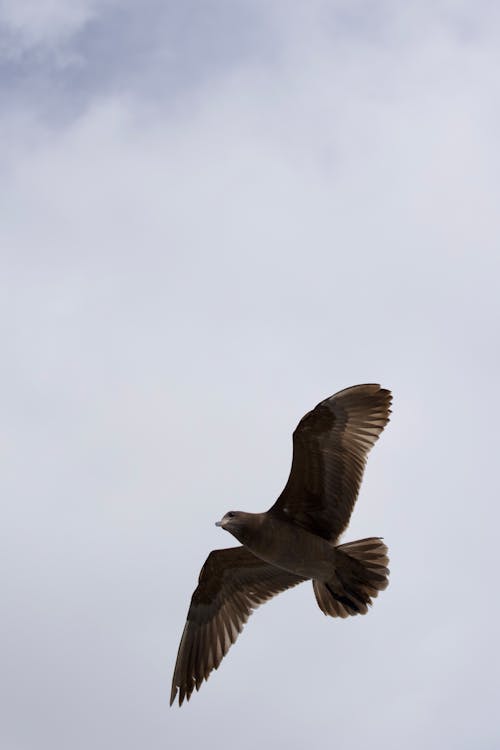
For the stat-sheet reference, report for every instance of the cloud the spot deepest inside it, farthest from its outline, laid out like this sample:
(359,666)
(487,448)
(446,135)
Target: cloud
(46,22)
(154,51)
(188,269)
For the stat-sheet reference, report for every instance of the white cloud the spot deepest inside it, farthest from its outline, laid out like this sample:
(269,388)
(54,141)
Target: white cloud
(185,281)
(32,23)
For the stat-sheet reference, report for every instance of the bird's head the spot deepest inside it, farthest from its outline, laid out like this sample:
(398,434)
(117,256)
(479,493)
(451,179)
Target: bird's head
(236,522)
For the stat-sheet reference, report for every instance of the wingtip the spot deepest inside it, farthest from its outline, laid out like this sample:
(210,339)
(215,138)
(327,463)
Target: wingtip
(181,697)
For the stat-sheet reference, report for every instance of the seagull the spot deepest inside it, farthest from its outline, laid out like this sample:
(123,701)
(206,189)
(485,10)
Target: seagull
(296,539)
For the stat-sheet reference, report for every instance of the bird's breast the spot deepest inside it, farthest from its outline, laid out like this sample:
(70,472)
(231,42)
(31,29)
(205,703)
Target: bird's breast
(294,549)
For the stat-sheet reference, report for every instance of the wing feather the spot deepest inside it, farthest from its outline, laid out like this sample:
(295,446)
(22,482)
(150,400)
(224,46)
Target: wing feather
(232,583)
(330,447)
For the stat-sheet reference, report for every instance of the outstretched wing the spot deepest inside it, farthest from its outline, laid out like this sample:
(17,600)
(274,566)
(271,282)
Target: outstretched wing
(330,447)
(232,583)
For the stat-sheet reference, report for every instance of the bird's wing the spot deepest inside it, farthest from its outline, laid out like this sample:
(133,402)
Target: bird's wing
(232,583)
(330,447)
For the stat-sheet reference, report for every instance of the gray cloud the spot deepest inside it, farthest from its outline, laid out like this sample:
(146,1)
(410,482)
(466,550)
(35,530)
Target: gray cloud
(69,56)
(47,22)
(184,277)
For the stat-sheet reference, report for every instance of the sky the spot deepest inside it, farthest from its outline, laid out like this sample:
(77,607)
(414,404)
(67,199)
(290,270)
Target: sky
(212,216)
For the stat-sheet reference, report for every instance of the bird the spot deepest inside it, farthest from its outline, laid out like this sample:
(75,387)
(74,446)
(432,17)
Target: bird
(296,539)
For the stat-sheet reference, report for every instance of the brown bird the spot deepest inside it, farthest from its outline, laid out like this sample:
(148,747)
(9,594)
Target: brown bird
(296,539)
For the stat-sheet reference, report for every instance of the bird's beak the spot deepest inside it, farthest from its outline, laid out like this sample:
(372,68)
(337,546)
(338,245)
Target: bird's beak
(218,523)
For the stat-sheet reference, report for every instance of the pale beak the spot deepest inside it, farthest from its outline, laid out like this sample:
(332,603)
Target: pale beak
(218,523)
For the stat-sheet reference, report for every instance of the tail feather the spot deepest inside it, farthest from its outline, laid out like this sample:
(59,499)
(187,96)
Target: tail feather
(361,572)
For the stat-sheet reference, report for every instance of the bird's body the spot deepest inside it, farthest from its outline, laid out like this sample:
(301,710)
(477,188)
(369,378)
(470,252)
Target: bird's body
(287,546)
(296,539)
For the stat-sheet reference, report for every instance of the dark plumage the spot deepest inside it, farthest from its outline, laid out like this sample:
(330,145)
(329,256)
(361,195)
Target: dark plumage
(295,540)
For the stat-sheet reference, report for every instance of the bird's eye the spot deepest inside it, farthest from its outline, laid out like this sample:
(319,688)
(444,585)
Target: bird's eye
(230,514)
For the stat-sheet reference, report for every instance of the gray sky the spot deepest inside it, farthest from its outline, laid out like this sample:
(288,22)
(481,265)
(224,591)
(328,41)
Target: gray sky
(214,214)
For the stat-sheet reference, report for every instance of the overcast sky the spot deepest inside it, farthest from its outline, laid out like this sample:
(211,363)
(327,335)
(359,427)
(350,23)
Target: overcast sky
(213,215)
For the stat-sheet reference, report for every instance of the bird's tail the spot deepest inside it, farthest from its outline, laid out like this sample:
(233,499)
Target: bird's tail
(360,573)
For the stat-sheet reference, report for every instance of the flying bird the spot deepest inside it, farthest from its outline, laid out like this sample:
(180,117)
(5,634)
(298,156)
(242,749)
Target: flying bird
(296,539)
